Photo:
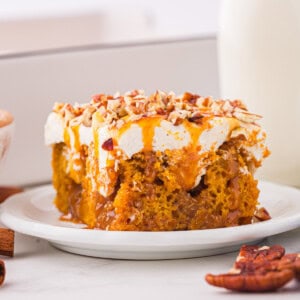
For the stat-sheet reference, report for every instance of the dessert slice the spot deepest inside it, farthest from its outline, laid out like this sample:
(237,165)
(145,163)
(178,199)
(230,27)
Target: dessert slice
(163,162)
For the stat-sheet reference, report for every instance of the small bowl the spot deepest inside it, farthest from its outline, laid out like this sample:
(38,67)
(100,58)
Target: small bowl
(6,131)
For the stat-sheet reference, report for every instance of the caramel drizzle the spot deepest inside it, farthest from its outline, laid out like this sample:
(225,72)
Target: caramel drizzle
(67,138)
(148,125)
(75,130)
(148,131)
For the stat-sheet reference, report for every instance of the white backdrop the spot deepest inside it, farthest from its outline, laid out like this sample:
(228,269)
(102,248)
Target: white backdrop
(31,84)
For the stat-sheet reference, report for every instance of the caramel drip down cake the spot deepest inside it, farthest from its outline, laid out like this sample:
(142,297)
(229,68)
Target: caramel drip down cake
(155,163)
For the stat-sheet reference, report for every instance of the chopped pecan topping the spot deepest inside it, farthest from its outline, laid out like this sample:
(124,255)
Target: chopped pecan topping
(259,269)
(196,118)
(108,145)
(87,116)
(261,214)
(191,98)
(135,105)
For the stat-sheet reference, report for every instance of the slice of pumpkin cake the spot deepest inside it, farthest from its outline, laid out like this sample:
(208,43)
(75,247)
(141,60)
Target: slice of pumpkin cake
(155,163)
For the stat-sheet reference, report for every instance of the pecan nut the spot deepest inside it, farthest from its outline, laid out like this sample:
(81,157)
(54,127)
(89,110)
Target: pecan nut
(259,269)
(267,282)
(2,271)
(262,214)
(108,145)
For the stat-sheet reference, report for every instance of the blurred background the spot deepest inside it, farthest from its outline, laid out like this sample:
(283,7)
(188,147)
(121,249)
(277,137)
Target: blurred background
(65,50)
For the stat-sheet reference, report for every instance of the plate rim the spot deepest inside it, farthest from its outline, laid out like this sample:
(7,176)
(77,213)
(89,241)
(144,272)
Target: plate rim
(138,239)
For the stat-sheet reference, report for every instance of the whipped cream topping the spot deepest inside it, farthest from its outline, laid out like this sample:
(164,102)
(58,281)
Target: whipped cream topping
(170,123)
(131,141)
(168,136)
(216,135)
(165,136)
(54,129)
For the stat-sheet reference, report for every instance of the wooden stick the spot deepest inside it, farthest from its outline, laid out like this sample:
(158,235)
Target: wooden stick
(7,238)
(6,191)
(2,271)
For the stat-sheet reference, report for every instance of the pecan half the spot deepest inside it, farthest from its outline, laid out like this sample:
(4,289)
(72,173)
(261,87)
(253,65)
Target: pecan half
(267,282)
(292,260)
(259,269)
(2,272)
(257,255)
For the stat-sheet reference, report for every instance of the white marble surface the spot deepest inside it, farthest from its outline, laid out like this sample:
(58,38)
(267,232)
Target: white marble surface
(39,271)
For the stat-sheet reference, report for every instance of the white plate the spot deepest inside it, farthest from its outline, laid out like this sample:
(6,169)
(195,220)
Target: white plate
(33,213)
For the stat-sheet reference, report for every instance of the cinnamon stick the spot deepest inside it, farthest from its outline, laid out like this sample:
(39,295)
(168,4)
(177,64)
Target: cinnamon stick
(6,191)
(7,237)
(2,271)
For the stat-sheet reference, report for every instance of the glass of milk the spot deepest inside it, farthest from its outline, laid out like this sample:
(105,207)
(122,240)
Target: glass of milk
(259,60)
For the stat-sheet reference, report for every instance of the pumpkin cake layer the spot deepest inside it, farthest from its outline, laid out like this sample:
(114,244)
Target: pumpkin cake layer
(163,162)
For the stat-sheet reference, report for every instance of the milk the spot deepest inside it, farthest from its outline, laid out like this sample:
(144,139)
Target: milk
(259,61)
